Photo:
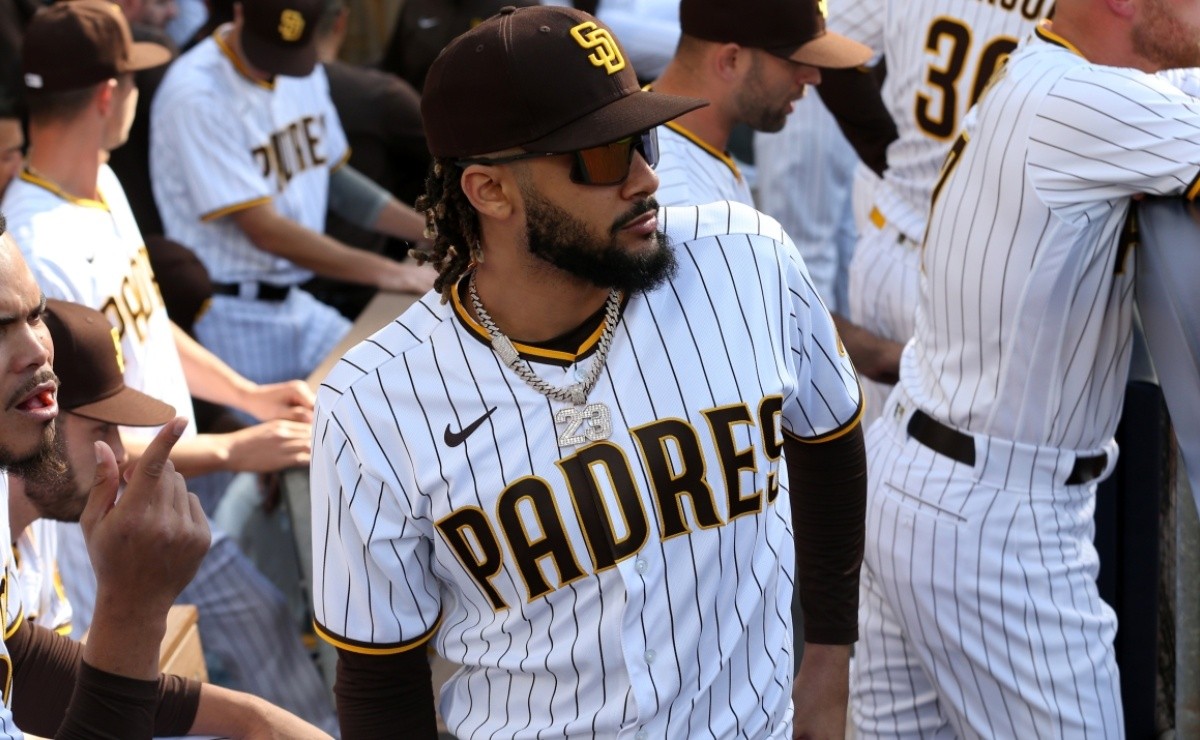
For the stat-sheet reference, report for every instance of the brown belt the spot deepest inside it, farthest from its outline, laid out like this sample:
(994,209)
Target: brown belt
(960,447)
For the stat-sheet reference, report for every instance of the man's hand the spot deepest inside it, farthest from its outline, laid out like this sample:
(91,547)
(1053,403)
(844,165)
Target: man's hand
(820,693)
(874,356)
(288,400)
(273,445)
(145,545)
(407,277)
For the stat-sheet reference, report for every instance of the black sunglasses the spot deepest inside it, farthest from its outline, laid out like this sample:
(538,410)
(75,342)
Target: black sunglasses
(607,164)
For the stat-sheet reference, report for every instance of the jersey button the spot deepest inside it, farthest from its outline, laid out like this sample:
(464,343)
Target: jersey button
(650,656)
(640,565)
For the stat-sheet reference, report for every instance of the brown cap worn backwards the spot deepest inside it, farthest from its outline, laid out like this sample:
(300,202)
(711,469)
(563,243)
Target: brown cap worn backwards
(792,29)
(544,78)
(88,362)
(71,45)
(277,35)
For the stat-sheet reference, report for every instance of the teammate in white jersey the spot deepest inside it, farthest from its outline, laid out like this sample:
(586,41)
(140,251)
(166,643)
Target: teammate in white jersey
(939,55)
(243,140)
(751,60)
(564,467)
(981,613)
(71,218)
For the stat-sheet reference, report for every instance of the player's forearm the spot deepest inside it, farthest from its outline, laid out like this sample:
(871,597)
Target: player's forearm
(828,484)
(327,257)
(208,377)
(853,97)
(203,453)
(228,713)
(378,693)
(401,221)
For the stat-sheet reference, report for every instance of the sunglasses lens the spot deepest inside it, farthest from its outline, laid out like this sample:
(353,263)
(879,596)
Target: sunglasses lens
(609,164)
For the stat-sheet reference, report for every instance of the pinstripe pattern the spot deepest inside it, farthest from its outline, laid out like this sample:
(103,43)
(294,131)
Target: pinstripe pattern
(885,269)
(105,269)
(42,593)
(11,610)
(980,613)
(690,174)
(684,634)
(220,142)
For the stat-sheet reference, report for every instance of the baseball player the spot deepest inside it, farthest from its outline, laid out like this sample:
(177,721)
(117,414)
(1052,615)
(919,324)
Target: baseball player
(939,56)
(243,139)
(73,222)
(753,60)
(564,467)
(981,616)
(59,483)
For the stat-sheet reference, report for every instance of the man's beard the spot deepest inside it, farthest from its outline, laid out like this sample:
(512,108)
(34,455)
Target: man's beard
(564,241)
(50,482)
(47,463)
(1164,40)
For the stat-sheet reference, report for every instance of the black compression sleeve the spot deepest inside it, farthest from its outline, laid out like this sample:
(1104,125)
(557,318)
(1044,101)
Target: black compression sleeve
(852,96)
(45,665)
(106,706)
(376,694)
(828,482)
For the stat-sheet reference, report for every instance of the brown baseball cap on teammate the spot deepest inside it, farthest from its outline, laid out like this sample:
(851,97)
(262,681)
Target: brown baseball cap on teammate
(792,29)
(277,35)
(88,362)
(71,45)
(544,78)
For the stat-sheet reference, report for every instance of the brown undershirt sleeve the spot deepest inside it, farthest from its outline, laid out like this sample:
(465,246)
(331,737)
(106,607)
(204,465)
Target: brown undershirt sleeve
(376,694)
(45,665)
(828,483)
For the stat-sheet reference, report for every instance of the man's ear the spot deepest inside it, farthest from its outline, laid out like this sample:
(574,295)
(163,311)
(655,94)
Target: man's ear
(105,92)
(1123,8)
(729,61)
(491,189)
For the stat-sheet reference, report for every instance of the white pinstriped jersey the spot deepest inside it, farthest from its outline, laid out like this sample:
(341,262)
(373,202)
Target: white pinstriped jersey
(221,142)
(42,592)
(11,609)
(636,585)
(1024,323)
(91,252)
(690,172)
(939,55)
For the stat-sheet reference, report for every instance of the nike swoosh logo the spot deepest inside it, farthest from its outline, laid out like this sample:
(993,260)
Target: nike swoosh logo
(454,439)
(427,23)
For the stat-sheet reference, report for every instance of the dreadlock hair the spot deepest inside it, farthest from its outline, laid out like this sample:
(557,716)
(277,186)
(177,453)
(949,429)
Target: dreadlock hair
(451,223)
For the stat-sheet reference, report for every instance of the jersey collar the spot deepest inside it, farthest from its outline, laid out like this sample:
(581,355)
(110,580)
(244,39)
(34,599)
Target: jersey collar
(551,353)
(33,178)
(722,157)
(1045,33)
(235,60)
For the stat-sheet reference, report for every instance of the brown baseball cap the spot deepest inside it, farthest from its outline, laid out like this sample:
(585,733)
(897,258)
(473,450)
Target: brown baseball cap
(89,365)
(792,29)
(71,45)
(545,78)
(277,35)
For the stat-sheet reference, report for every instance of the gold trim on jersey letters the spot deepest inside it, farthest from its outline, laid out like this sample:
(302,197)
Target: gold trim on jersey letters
(41,181)
(734,460)
(238,64)
(625,496)
(365,648)
(1193,190)
(555,544)
(1045,31)
(665,477)
(724,158)
(527,350)
(222,212)
(770,416)
(452,533)
(605,52)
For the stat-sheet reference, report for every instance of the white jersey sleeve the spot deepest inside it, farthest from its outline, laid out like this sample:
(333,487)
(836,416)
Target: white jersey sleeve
(11,608)
(690,172)
(42,592)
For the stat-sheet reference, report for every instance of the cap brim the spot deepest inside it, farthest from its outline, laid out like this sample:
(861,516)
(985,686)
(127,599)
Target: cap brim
(147,55)
(129,408)
(296,62)
(624,117)
(832,51)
